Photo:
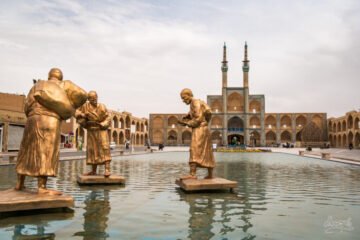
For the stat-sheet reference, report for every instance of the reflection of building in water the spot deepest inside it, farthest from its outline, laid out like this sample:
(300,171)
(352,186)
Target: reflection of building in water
(97,209)
(22,232)
(239,117)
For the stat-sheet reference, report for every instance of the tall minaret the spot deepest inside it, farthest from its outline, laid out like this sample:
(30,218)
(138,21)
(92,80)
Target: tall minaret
(246,68)
(224,68)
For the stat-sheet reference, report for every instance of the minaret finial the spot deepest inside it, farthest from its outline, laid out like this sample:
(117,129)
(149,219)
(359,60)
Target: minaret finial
(224,67)
(246,67)
(224,54)
(246,52)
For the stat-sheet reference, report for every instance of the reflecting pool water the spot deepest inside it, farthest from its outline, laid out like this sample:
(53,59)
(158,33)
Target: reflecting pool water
(279,196)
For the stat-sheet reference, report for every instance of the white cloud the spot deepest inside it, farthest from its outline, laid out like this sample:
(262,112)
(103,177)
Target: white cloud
(138,55)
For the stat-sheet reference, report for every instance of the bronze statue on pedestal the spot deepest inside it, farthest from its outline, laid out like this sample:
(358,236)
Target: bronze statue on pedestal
(198,118)
(47,104)
(96,119)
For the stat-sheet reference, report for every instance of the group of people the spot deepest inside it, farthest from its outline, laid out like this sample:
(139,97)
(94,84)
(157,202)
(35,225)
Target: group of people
(48,103)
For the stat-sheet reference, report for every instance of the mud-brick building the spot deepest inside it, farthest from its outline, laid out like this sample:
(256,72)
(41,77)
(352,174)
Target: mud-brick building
(12,121)
(345,130)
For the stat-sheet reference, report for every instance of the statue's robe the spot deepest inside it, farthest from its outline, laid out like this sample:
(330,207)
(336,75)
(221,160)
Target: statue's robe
(201,148)
(97,121)
(40,145)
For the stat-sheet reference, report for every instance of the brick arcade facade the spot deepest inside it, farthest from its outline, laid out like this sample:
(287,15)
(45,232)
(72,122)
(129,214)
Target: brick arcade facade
(345,130)
(124,126)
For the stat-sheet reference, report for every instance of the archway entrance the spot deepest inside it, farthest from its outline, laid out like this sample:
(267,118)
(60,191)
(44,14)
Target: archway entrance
(235,139)
(235,124)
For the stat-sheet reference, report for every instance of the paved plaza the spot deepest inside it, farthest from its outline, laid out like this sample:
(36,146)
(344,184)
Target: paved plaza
(337,154)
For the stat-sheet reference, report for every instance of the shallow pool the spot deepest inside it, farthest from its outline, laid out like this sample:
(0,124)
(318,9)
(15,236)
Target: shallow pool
(279,196)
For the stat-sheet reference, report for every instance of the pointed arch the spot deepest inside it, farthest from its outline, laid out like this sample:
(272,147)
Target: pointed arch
(115,122)
(158,122)
(236,124)
(339,127)
(343,126)
(270,122)
(172,137)
(121,138)
(142,127)
(235,102)
(255,106)
(254,122)
(285,121)
(270,138)
(350,138)
(330,126)
(122,123)
(216,122)
(300,121)
(127,122)
(186,137)
(216,105)
(338,141)
(357,123)
(172,121)
(285,136)
(137,141)
(115,137)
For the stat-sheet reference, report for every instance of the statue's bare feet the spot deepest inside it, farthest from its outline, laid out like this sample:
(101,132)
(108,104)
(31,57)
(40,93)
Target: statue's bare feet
(107,174)
(209,177)
(49,192)
(188,177)
(90,173)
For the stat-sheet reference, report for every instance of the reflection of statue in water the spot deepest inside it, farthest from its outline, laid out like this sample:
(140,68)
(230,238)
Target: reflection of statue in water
(95,118)
(202,213)
(40,233)
(201,154)
(97,209)
(47,104)
(217,214)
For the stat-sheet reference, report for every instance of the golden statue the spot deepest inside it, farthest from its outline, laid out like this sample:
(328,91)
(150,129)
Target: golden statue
(201,154)
(96,119)
(47,104)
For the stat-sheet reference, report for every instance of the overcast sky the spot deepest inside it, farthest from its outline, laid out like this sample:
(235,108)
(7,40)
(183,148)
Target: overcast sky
(138,55)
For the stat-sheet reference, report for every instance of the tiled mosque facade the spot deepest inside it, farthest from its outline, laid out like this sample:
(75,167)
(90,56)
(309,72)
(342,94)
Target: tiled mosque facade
(240,118)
